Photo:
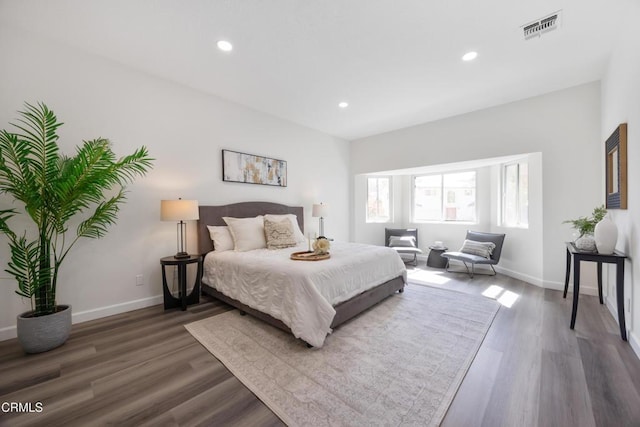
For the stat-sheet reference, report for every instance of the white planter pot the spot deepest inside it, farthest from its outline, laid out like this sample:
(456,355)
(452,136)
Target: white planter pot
(44,333)
(606,236)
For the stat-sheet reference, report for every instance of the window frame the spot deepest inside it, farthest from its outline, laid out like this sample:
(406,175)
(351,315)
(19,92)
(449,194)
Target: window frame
(503,194)
(442,219)
(389,178)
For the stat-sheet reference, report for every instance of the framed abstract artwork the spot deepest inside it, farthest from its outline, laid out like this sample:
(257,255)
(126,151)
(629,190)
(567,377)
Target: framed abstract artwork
(253,169)
(616,168)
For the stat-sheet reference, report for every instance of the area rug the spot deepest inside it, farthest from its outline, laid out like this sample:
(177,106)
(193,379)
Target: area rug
(399,363)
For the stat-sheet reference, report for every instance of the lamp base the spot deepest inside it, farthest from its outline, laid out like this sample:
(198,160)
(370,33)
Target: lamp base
(181,255)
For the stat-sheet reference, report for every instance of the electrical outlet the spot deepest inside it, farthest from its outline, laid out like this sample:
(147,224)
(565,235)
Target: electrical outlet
(139,280)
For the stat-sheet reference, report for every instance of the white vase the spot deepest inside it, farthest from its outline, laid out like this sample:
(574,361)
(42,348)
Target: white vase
(606,236)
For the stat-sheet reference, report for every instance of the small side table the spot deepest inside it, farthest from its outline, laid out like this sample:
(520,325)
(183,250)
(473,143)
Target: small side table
(435,259)
(616,258)
(194,297)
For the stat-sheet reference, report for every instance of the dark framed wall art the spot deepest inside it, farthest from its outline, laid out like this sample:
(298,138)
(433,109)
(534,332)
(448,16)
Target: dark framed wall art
(616,168)
(253,169)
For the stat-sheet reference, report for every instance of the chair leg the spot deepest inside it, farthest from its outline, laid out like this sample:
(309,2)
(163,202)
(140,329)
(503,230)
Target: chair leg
(415,260)
(470,273)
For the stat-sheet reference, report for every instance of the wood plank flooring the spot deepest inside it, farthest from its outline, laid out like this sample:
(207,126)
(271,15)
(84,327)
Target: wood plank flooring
(144,368)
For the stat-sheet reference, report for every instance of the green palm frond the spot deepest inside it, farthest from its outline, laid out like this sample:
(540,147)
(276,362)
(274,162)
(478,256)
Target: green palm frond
(134,165)
(16,176)
(6,215)
(39,126)
(24,266)
(105,214)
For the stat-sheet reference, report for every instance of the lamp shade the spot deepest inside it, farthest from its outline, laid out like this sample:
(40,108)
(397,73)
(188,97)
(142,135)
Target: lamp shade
(320,210)
(179,210)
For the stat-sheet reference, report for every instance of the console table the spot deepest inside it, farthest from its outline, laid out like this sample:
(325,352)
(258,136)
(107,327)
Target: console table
(616,258)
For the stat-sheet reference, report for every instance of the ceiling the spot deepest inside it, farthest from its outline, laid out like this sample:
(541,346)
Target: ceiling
(397,63)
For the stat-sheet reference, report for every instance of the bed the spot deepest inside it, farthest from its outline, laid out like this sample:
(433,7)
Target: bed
(315,315)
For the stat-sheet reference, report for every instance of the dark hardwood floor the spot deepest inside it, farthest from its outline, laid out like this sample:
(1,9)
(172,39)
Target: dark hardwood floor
(144,368)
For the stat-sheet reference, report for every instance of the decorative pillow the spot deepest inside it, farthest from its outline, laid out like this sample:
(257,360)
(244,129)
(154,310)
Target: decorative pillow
(221,238)
(279,234)
(402,241)
(483,249)
(297,234)
(247,233)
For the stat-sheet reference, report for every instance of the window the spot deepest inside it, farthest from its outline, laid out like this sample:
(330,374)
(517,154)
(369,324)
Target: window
(515,195)
(445,197)
(379,199)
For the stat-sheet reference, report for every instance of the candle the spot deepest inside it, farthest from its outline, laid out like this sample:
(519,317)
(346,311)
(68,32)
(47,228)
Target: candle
(309,240)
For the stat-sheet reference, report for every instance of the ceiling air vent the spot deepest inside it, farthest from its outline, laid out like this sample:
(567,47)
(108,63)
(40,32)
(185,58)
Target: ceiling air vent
(541,26)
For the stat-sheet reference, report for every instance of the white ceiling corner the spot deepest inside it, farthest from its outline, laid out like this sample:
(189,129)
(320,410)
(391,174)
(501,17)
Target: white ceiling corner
(397,63)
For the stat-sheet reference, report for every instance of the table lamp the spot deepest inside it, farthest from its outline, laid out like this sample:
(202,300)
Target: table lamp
(320,210)
(181,211)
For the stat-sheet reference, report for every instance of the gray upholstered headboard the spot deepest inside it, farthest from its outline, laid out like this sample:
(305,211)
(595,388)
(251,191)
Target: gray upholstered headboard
(212,215)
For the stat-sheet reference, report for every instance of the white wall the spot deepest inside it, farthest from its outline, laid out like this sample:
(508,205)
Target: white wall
(185,131)
(563,126)
(373,233)
(620,104)
(523,247)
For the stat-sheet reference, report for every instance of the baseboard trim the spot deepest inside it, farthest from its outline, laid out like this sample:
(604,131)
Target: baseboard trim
(635,343)
(559,286)
(520,276)
(10,332)
(110,310)
(536,281)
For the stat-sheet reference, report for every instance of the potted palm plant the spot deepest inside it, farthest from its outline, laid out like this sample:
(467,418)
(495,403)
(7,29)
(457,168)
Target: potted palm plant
(55,190)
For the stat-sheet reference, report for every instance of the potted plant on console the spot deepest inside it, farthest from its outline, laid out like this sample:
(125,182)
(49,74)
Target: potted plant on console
(585,226)
(55,190)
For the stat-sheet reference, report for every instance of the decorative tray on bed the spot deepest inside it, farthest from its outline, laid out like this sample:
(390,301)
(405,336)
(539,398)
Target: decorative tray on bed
(309,256)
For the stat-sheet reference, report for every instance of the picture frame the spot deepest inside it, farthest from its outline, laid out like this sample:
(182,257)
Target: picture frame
(253,169)
(616,169)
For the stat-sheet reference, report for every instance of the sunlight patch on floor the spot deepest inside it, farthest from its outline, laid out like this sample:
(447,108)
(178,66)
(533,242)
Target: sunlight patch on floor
(427,277)
(506,298)
(492,291)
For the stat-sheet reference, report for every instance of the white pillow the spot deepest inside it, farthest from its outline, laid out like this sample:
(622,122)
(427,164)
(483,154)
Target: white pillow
(247,233)
(297,234)
(221,238)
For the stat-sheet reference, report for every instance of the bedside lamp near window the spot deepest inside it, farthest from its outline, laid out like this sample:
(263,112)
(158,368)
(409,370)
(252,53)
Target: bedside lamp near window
(181,211)
(320,211)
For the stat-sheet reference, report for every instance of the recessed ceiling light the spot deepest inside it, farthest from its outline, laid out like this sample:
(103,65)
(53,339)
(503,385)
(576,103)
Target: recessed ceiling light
(224,46)
(470,56)
(343,104)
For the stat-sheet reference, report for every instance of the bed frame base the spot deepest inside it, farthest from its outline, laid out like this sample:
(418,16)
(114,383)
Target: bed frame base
(344,311)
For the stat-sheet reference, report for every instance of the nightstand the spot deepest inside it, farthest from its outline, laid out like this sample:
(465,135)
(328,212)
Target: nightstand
(194,297)
(435,259)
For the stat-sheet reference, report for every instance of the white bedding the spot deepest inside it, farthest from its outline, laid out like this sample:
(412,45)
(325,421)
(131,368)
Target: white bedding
(301,293)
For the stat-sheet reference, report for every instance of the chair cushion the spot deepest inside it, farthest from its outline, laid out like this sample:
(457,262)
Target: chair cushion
(402,241)
(483,249)
(474,259)
(401,250)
